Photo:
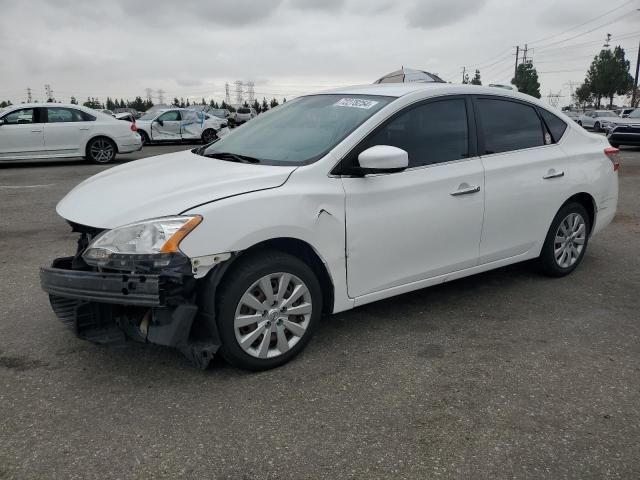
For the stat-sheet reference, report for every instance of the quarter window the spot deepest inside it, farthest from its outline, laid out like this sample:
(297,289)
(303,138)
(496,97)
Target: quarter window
(434,132)
(554,124)
(508,126)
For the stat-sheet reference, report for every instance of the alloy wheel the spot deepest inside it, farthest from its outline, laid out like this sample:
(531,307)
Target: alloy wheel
(273,315)
(101,151)
(569,240)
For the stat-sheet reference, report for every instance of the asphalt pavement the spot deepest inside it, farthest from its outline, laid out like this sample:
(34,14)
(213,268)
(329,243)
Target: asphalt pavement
(506,374)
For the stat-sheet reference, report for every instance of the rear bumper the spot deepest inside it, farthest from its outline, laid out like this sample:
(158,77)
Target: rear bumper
(112,307)
(129,144)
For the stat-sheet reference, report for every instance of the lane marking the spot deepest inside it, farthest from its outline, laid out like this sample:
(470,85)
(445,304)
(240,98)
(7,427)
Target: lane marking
(28,186)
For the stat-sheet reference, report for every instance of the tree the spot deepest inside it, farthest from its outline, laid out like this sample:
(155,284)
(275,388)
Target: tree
(526,79)
(73,101)
(110,105)
(5,103)
(265,105)
(636,103)
(465,78)
(256,106)
(582,95)
(176,102)
(476,78)
(609,75)
(93,103)
(274,103)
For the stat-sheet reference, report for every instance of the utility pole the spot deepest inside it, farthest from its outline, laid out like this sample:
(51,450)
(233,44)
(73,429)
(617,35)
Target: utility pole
(49,92)
(250,91)
(239,93)
(148,92)
(29,96)
(515,70)
(635,81)
(464,71)
(606,42)
(524,53)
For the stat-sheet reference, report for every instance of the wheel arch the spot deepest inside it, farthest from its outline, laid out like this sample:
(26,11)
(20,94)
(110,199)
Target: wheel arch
(305,252)
(588,202)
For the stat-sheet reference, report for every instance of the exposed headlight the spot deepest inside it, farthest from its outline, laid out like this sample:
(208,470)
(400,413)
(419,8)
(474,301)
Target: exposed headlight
(154,240)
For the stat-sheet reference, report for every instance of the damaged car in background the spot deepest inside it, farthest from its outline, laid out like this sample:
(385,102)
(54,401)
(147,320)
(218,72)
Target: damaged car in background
(326,203)
(180,124)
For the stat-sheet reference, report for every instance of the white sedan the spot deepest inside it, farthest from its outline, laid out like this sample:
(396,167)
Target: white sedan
(53,131)
(326,203)
(180,124)
(597,119)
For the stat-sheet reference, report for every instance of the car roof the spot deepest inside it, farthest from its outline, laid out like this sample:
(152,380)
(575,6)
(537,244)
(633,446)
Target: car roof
(434,88)
(49,104)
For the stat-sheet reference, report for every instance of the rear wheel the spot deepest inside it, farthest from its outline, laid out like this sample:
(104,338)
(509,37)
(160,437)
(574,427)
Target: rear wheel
(209,135)
(268,308)
(566,241)
(101,150)
(596,126)
(144,137)
(579,123)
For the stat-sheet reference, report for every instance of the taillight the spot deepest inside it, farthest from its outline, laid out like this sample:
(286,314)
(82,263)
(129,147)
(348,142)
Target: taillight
(614,155)
(133,126)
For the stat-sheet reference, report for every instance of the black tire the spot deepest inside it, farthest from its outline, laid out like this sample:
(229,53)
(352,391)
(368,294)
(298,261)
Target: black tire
(101,150)
(596,126)
(241,276)
(209,135)
(144,137)
(547,262)
(579,122)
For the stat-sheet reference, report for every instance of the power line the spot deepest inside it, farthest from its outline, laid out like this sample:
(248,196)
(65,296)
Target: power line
(598,17)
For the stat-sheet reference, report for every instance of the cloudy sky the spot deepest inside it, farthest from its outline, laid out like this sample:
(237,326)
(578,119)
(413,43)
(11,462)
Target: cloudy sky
(190,48)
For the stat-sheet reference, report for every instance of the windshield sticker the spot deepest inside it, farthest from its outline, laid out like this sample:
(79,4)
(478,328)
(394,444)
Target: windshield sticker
(355,103)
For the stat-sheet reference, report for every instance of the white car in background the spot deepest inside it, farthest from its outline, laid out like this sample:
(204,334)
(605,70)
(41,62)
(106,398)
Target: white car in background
(48,131)
(326,203)
(180,124)
(243,115)
(596,119)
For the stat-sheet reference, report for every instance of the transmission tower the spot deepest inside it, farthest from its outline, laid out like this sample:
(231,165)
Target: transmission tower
(29,96)
(227,95)
(49,92)
(148,93)
(239,92)
(160,93)
(250,92)
(553,99)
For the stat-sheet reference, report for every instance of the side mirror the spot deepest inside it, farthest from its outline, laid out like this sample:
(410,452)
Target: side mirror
(383,159)
(161,122)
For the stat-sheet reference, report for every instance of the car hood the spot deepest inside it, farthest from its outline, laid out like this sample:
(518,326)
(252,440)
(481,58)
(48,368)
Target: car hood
(163,185)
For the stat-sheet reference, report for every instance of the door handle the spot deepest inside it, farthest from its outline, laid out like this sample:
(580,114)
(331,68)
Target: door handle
(36,131)
(84,128)
(553,174)
(465,189)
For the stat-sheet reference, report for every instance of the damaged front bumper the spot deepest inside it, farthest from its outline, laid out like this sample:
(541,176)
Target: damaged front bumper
(158,307)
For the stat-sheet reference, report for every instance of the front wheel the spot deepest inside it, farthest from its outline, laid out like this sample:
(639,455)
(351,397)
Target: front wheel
(579,123)
(566,241)
(268,308)
(101,150)
(209,135)
(596,126)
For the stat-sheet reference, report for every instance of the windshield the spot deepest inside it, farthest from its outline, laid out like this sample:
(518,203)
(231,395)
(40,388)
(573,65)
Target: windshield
(301,130)
(635,113)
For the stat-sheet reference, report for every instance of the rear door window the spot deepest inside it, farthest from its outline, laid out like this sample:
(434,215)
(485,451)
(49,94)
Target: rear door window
(62,115)
(507,125)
